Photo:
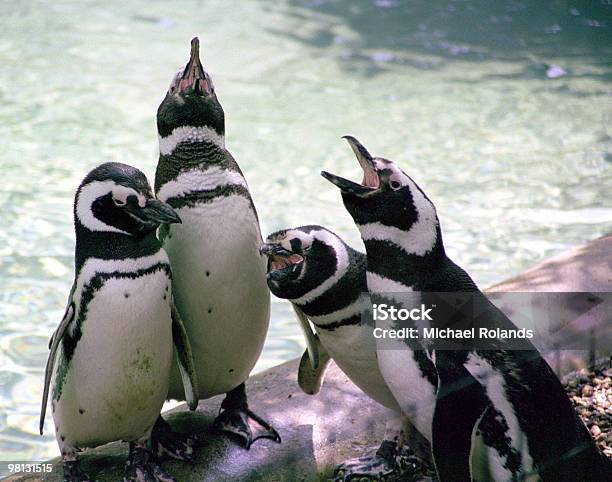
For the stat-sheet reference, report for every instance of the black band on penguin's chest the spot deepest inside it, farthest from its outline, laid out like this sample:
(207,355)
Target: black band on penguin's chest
(194,198)
(70,340)
(344,292)
(192,155)
(111,246)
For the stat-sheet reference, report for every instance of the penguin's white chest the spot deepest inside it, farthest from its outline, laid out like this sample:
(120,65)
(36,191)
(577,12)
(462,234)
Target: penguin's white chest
(117,379)
(353,348)
(220,291)
(414,393)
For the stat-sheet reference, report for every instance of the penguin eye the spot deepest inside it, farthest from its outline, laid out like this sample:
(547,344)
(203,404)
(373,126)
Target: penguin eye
(395,185)
(119,202)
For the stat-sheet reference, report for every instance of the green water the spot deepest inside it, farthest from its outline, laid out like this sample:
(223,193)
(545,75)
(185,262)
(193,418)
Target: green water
(518,164)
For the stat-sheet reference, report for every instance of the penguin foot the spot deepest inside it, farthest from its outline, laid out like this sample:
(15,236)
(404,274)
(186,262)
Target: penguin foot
(245,424)
(165,442)
(237,419)
(73,473)
(142,467)
(388,463)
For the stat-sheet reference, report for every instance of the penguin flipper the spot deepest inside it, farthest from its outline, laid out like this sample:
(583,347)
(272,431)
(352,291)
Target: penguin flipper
(184,355)
(54,343)
(310,379)
(312,344)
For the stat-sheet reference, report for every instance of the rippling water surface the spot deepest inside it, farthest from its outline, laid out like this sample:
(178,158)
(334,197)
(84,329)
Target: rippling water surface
(502,111)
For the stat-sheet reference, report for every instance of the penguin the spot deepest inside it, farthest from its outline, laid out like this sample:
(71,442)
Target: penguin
(110,358)
(498,414)
(325,281)
(219,282)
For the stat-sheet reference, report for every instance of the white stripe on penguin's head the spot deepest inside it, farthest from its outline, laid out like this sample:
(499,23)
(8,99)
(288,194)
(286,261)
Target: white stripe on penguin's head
(342,264)
(92,191)
(388,205)
(421,237)
(189,135)
(323,259)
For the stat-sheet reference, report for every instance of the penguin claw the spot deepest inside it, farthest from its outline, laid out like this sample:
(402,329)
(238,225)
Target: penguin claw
(387,464)
(73,473)
(368,468)
(165,442)
(142,467)
(245,424)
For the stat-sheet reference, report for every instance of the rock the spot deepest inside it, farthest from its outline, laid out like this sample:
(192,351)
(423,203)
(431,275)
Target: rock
(340,422)
(554,72)
(583,269)
(593,409)
(587,390)
(580,269)
(315,430)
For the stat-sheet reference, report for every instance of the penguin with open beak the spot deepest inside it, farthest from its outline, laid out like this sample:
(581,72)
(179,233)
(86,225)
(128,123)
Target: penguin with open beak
(325,281)
(490,414)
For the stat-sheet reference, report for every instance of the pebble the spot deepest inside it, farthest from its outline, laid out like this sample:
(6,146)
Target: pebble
(590,391)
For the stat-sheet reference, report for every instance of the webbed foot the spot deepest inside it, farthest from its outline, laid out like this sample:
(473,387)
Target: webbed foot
(142,467)
(167,442)
(73,473)
(388,463)
(237,419)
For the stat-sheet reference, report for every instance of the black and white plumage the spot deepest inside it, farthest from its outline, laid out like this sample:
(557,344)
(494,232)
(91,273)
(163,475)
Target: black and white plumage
(499,414)
(111,355)
(219,276)
(325,280)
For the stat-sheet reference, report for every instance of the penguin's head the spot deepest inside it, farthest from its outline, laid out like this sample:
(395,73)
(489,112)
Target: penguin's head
(117,198)
(386,196)
(191,100)
(300,259)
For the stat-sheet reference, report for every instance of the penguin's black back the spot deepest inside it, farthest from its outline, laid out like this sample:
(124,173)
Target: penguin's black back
(559,443)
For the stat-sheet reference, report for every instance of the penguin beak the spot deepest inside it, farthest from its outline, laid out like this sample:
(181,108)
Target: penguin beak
(370,182)
(281,262)
(272,249)
(346,186)
(366,161)
(194,78)
(266,249)
(154,213)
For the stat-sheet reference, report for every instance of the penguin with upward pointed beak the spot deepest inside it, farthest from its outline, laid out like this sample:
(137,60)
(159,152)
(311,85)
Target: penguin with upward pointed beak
(110,358)
(219,276)
(490,414)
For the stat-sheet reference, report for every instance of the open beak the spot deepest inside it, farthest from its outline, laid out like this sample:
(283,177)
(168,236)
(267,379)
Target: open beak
(155,212)
(370,182)
(194,78)
(281,261)
(272,249)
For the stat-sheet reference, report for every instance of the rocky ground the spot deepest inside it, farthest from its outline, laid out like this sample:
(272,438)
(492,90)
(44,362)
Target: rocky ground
(591,393)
